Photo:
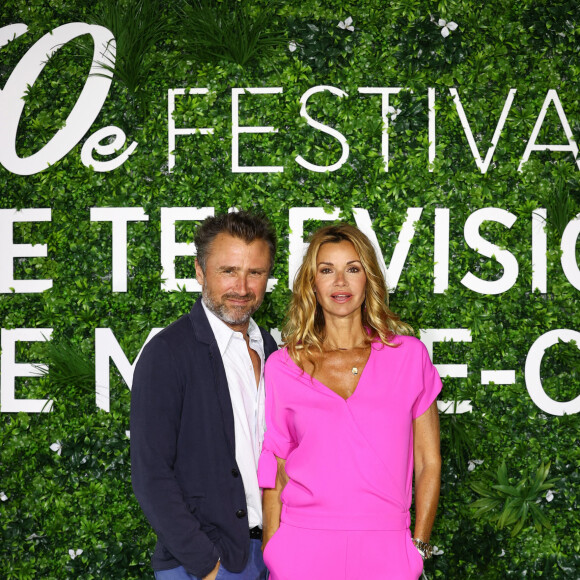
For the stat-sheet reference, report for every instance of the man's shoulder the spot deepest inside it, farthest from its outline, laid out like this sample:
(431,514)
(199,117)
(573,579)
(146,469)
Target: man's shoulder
(176,329)
(179,335)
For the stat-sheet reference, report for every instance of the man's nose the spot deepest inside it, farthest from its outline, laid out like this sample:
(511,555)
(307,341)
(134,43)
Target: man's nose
(242,285)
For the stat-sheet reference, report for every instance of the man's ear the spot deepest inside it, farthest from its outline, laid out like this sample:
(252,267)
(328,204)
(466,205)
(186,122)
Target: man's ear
(199,273)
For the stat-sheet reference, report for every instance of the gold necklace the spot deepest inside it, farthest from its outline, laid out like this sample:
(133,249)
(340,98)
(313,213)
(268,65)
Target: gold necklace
(354,369)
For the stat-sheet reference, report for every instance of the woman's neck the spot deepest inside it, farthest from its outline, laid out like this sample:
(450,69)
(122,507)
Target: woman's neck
(344,333)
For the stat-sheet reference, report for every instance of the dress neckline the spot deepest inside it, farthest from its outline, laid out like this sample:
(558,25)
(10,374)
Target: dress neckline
(326,388)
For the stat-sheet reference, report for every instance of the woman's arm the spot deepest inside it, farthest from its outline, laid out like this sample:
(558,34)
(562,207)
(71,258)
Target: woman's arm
(427,464)
(272,504)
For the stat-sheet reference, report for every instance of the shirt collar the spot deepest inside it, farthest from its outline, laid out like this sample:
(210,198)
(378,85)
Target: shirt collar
(223,333)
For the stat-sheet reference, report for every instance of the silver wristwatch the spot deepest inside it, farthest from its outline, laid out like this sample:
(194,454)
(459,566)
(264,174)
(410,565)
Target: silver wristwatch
(424,548)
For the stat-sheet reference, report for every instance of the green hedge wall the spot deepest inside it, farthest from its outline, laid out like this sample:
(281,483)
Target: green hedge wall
(64,475)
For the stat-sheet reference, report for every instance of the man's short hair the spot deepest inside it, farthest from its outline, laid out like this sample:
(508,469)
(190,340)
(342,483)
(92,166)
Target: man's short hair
(242,224)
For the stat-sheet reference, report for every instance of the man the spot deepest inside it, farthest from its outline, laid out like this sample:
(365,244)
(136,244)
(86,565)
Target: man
(197,413)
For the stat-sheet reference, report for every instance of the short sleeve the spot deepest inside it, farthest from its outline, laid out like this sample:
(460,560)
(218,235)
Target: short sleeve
(431,384)
(278,441)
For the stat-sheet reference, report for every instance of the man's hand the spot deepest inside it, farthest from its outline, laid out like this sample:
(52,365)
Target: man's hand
(213,573)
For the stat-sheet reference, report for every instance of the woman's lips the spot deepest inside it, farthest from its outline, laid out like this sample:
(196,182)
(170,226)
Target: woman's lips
(341,297)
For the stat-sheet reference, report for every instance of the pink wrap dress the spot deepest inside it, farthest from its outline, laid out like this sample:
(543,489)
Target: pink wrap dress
(345,513)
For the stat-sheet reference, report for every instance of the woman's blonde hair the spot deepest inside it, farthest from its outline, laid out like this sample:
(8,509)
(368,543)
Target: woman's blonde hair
(305,327)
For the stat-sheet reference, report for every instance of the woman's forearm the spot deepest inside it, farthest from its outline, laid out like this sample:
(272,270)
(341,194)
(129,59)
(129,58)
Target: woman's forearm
(427,466)
(427,485)
(272,504)
(271,511)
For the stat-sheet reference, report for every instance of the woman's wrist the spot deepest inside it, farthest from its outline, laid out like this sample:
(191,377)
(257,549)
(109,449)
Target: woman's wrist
(424,548)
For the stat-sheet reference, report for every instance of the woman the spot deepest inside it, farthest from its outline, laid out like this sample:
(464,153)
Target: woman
(350,412)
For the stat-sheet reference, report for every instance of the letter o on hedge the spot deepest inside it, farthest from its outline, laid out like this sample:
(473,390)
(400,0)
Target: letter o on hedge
(532,372)
(83,114)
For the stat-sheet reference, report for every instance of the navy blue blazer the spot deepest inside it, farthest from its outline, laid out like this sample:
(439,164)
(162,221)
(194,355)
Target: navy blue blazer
(183,461)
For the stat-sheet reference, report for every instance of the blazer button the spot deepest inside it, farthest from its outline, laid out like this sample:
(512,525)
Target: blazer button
(241,514)
(235,472)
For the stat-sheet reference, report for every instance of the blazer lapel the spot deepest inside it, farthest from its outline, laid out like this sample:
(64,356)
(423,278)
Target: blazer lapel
(270,345)
(204,334)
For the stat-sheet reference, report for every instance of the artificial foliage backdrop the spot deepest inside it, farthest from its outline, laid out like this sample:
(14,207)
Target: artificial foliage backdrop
(509,503)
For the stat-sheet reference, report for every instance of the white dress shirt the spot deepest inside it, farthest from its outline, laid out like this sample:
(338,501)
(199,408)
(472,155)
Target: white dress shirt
(248,404)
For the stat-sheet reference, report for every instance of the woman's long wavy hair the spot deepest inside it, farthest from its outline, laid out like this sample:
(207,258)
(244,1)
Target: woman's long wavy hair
(305,326)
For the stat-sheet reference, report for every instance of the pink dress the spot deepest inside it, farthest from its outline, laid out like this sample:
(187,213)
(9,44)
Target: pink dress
(345,511)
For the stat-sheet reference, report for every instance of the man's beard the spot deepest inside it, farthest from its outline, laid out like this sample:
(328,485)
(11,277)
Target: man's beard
(231,314)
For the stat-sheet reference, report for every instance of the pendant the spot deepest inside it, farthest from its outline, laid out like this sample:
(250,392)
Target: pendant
(354,371)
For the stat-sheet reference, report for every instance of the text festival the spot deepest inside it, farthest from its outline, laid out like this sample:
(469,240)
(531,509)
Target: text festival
(109,140)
